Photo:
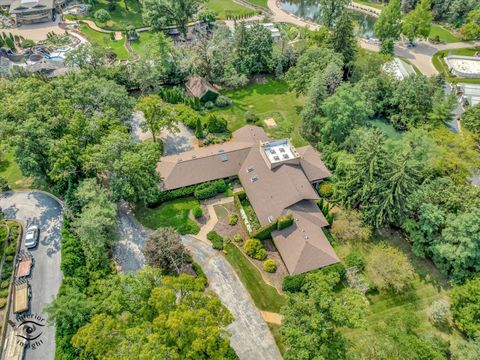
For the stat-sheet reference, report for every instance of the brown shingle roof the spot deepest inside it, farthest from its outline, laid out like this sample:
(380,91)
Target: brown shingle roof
(198,87)
(201,165)
(274,189)
(303,246)
(250,133)
(312,165)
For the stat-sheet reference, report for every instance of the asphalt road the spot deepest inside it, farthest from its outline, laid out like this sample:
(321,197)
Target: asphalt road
(38,208)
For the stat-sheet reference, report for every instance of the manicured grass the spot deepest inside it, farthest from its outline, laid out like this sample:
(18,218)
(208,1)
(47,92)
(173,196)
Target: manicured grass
(386,128)
(121,17)
(104,40)
(265,296)
(262,3)
(275,330)
(228,8)
(439,63)
(141,45)
(170,214)
(373,4)
(261,99)
(10,171)
(443,34)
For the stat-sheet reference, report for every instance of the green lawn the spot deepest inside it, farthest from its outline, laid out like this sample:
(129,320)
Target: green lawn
(373,4)
(265,296)
(104,40)
(389,131)
(272,99)
(275,330)
(121,17)
(228,8)
(10,171)
(140,46)
(443,34)
(429,286)
(439,63)
(262,3)
(170,214)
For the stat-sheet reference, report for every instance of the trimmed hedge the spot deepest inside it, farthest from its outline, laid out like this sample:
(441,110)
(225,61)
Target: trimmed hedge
(284,221)
(265,231)
(217,240)
(204,191)
(293,283)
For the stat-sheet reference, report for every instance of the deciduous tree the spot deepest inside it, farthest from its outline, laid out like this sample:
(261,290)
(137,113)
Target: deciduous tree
(158,115)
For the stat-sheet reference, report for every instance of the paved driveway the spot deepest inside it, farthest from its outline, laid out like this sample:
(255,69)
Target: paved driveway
(251,339)
(40,209)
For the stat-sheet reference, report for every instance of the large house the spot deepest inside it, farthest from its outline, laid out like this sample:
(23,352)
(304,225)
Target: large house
(278,179)
(31,11)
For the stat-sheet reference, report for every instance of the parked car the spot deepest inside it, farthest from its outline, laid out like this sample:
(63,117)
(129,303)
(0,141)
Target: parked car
(31,236)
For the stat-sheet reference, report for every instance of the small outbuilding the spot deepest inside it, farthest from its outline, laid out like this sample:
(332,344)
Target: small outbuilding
(200,88)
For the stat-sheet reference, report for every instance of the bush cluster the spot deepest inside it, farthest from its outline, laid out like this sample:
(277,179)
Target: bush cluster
(270,266)
(223,101)
(216,124)
(232,219)
(254,248)
(197,212)
(213,187)
(355,258)
(237,238)
(3,302)
(325,189)
(210,189)
(217,240)
(293,283)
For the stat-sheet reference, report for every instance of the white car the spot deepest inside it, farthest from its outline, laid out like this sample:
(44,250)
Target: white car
(31,236)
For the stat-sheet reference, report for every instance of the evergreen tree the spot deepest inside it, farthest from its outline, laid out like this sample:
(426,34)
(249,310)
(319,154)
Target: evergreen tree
(343,39)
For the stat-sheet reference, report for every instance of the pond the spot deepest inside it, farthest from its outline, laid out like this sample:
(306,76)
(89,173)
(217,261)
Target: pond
(310,9)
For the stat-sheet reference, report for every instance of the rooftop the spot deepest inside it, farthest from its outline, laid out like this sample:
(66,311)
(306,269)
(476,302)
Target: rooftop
(279,151)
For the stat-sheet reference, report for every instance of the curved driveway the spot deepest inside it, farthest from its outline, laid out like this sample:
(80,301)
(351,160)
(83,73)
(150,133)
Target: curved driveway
(34,207)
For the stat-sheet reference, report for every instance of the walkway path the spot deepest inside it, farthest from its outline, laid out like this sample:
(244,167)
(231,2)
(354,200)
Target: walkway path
(213,219)
(251,339)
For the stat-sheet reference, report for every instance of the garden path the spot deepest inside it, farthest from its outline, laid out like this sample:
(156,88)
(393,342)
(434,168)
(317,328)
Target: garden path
(202,235)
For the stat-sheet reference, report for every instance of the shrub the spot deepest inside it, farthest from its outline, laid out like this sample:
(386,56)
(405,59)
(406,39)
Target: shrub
(270,266)
(223,101)
(439,313)
(210,189)
(4,284)
(9,258)
(197,212)
(206,16)
(254,248)
(3,293)
(348,226)
(3,302)
(293,283)
(233,219)
(250,117)
(102,15)
(187,116)
(217,240)
(355,258)
(10,250)
(284,221)
(216,124)
(4,184)
(237,238)
(325,189)
(209,105)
